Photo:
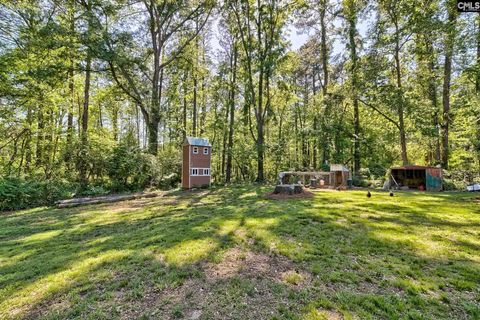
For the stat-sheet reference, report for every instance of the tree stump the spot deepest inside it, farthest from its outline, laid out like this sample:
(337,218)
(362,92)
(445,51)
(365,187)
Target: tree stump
(289,189)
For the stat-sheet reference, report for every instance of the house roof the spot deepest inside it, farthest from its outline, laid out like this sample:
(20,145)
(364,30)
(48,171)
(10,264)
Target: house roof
(194,141)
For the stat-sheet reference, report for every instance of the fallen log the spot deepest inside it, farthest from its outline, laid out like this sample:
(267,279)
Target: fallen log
(104,199)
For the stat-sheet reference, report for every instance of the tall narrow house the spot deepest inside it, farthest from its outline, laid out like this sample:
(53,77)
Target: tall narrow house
(197,153)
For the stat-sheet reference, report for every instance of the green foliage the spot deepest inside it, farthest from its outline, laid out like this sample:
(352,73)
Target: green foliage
(130,168)
(18,193)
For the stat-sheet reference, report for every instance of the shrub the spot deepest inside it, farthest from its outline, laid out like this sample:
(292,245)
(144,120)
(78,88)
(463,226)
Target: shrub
(19,193)
(131,169)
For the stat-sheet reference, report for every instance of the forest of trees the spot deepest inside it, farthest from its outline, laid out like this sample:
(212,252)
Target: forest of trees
(99,94)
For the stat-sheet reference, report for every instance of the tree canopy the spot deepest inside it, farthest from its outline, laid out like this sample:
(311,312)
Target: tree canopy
(103,92)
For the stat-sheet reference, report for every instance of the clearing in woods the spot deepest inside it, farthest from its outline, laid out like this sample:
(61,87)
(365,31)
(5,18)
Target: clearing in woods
(230,253)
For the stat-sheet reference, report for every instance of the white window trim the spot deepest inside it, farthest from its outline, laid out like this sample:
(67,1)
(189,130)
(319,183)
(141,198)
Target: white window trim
(205,151)
(198,172)
(195,150)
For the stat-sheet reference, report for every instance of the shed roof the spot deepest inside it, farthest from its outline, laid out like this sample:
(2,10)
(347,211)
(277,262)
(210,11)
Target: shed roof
(195,141)
(414,167)
(338,167)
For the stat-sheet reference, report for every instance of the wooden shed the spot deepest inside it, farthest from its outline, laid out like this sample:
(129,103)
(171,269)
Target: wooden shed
(339,175)
(417,177)
(196,162)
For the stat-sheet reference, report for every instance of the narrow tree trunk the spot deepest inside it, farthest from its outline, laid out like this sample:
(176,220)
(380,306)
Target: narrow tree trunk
(184,85)
(115,122)
(152,130)
(28,141)
(40,138)
(194,120)
(85,117)
(325,139)
(401,100)
(449,45)
(352,31)
(259,115)
(233,84)
(432,93)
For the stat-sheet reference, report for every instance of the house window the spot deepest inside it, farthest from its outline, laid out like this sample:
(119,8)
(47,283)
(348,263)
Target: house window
(194,172)
(206,172)
(205,150)
(195,150)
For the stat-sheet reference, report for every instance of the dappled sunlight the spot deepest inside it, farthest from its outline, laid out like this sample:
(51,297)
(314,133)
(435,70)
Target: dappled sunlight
(352,251)
(191,251)
(23,300)
(7,261)
(228,226)
(40,236)
(248,195)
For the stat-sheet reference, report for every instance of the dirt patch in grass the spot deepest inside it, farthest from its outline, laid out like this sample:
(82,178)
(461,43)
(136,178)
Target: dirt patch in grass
(243,285)
(249,264)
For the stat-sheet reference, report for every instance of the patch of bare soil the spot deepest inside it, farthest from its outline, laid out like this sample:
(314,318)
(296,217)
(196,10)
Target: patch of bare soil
(241,286)
(237,262)
(281,196)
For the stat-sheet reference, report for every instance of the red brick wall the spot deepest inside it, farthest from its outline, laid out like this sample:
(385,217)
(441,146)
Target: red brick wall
(200,160)
(198,181)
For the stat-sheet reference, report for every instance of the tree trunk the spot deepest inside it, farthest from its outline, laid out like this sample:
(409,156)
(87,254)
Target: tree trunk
(325,139)
(40,138)
(401,100)
(259,116)
(152,130)
(352,30)
(233,84)
(449,45)
(86,104)
(28,141)
(194,120)
(323,46)
(184,85)
(432,93)
(115,122)
(84,131)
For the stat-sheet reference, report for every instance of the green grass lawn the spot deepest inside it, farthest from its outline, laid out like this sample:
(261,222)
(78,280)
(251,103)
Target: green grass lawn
(229,253)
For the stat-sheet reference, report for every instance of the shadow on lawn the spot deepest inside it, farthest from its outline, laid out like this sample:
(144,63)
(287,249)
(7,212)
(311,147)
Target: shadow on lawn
(83,262)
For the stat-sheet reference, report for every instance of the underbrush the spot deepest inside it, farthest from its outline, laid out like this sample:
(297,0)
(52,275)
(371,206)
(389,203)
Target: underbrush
(19,193)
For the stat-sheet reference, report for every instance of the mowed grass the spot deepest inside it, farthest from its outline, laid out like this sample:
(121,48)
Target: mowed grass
(229,253)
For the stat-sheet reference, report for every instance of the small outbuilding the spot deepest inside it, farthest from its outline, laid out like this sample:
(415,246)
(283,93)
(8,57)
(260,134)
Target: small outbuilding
(196,162)
(339,175)
(417,177)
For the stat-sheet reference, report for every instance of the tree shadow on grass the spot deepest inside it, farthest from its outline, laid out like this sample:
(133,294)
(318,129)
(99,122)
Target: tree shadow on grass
(85,262)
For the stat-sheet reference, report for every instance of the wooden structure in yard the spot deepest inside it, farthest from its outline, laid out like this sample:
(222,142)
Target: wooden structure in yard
(417,177)
(338,176)
(196,162)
